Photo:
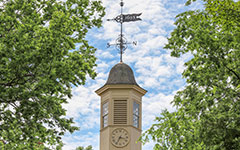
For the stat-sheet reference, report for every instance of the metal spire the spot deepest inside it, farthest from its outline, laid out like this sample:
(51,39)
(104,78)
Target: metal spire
(121,41)
(122,46)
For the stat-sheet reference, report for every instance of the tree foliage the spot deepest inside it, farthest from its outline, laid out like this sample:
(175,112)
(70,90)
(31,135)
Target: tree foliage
(207,112)
(82,148)
(39,64)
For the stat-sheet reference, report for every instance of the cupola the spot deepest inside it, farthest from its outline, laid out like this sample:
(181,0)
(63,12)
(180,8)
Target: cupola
(121,73)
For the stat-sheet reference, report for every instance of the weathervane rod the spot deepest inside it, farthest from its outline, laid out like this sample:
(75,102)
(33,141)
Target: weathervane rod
(121,34)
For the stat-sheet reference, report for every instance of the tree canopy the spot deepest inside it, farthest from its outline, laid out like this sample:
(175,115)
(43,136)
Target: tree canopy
(207,112)
(39,65)
(82,148)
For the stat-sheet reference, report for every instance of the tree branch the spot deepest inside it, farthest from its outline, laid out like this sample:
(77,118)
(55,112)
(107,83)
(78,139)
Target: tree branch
(12,104)
(233,72)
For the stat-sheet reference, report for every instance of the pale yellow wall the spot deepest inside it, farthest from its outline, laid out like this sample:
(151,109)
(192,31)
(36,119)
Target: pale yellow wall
(135,135)
(104,142)
(130,93)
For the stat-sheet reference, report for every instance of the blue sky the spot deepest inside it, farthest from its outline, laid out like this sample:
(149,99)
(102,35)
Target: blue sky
(154,69)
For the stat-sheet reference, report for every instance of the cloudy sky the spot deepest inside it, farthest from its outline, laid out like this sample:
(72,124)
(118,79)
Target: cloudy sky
(154,69)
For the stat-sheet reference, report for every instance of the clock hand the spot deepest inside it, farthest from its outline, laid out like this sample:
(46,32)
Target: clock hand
(119,138)
(123,137)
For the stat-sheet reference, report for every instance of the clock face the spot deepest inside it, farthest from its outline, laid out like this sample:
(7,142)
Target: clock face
(120,137)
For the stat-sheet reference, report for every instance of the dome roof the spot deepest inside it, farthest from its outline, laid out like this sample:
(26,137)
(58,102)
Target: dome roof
(121,73)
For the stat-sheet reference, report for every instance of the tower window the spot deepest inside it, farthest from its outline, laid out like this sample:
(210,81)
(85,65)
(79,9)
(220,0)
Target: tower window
(105,114)
(136,114)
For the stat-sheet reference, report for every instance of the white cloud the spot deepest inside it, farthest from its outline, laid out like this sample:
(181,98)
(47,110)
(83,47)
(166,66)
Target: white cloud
(74,141)
(156,103)
(104,54)
(155,42)
(81,102)
(102,67)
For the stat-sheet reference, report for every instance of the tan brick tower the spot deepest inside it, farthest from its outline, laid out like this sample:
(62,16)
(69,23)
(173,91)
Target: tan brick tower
(121,110)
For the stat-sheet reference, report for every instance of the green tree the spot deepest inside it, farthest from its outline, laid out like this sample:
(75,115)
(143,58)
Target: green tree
(82,148)
(39,65)
(207,112)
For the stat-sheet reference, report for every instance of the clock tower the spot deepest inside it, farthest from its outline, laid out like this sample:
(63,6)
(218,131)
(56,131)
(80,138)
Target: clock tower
(121,110)
(121,100)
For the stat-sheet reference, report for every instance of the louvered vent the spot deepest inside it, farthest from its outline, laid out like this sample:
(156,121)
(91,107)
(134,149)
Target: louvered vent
(120,112)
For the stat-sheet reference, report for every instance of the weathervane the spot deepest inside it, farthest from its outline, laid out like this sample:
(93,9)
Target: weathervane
(121,41)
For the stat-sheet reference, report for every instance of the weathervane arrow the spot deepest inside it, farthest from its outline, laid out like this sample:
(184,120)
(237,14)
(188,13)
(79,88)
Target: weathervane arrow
(131,17)
(127,18)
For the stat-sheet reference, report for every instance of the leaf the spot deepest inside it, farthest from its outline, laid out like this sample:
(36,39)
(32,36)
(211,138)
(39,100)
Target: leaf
(214,89)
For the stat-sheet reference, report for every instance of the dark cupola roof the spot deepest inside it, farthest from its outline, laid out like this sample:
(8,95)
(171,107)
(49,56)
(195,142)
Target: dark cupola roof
(121,73)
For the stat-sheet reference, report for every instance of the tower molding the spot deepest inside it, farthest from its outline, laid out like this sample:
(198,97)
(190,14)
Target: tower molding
(105,88)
